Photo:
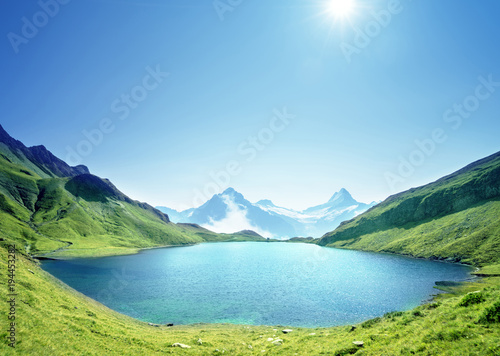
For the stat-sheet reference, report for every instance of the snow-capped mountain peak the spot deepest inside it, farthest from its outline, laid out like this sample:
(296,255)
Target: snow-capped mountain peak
(265,202)
(229,212)
(342,198)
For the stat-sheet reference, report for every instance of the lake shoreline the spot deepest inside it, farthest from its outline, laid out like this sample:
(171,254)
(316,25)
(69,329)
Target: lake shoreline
(133,251)
(274,260)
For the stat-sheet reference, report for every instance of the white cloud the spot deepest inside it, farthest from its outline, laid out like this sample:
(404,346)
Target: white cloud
(236,220)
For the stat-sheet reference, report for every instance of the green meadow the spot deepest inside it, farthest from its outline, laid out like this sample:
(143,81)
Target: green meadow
(44,214)
(53,319)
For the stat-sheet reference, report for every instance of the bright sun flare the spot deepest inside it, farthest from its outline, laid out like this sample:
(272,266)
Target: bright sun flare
(341,8)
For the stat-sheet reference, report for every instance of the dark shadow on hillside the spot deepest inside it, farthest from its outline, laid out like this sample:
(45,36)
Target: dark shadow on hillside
(90,188)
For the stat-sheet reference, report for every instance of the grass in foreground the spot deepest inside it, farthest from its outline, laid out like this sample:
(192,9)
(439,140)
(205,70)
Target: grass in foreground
(53,319)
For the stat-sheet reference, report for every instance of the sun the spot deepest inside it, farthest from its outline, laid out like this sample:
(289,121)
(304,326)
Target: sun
(341,9)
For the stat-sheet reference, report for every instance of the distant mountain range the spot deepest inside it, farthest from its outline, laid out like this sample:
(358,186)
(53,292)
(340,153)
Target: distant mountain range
(230,211)
(51,208)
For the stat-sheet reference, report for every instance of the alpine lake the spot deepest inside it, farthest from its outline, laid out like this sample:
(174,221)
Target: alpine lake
(256,283)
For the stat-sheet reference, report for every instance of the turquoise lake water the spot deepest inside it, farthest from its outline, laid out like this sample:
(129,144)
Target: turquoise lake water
(256,283)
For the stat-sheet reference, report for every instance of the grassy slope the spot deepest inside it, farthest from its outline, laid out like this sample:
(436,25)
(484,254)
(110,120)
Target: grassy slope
(455,217)
(53,319)
(83,216)
(20,159)
(39,214)
(472,236)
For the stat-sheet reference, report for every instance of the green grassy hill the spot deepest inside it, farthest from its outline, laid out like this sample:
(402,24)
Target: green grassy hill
(53,319)
(48,208)
(52,209)
(455,218)
(37,158)
(83,216)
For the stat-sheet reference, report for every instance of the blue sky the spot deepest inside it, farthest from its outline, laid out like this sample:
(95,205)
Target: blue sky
(290,102)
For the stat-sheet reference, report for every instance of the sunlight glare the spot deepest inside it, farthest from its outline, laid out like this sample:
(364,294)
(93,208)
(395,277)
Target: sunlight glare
(341,8)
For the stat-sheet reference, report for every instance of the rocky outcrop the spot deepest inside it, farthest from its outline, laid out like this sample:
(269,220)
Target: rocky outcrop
(182,346)
(39,158)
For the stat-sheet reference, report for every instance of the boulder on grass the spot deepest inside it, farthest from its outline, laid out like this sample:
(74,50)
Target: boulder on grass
(182,346)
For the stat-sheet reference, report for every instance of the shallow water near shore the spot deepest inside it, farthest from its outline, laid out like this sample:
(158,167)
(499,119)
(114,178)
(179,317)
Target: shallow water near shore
(256,283)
